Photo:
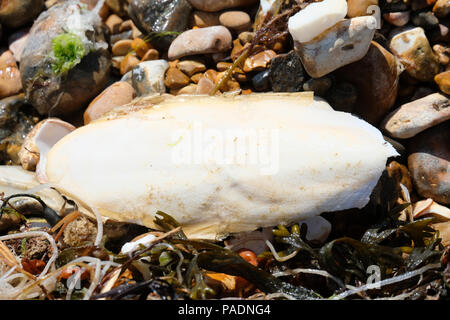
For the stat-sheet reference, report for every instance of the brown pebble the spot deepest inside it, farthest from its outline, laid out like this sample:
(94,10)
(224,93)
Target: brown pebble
(175,79)
(235,20)
(122,47)
(190,89)
(204,19)
(128,63)
(443,81)
(113,22)
(140,47)
(259,61)
(196,77)
(191,67)
(117,94)
(205,86)
(151,54)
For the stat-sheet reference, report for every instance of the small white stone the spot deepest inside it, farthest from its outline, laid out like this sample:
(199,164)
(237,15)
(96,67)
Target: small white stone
(316,18)
(130,247)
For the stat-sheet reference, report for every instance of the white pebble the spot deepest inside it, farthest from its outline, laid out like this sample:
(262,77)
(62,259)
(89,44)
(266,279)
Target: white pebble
(316,18)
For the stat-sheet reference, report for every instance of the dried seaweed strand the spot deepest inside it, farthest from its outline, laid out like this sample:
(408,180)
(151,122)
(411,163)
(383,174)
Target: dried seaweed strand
(264,34)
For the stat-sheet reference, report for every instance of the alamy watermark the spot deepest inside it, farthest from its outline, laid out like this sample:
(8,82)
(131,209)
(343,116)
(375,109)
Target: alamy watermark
(239,147)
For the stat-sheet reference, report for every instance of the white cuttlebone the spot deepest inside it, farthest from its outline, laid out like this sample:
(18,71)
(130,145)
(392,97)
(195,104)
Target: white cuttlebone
(316,18)
(124,165)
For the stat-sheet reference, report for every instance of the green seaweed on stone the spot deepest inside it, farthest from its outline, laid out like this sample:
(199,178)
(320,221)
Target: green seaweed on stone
(67,51)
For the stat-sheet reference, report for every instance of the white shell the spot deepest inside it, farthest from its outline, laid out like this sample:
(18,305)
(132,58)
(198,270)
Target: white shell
(126,164)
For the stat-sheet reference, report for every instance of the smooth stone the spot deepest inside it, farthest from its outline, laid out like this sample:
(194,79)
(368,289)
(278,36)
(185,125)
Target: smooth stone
(426,20)
(429,163)
(317,17)
(128,63)
(200,41)
(10,80)
(148,77)
(175,79)
(346,42)
(204,19)
(319,86)
(122,47)
(358,8)
(235,20)
(128,25)
(286,73)
(376,78)
(441,8)
(414,51)
(160,16)
(205,85)
(246,36)
(17,43)
(261,81)
(140,47)
(191,67)
(49,92)
(16,13)
(259,61)
(343,96)
(151,54)
(121,36)
(117,94)
(398,19)
(218,5)
(190,89)
(417,116)
(113,23)
(443,81)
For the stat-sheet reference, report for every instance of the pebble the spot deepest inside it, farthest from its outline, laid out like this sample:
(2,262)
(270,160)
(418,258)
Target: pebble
(317,17)
(358,8)
(128,34)
(286,73)
(128,63)
(205,86)
(218,5)
(346,42)
(398,19)
(426,20)
(175,79)
(443,81)
(259,61)
(17,43)
(128,25)
(140,47)
(442,8)
(151,54)
(261,81)
(148,77)
(204,19)
(246,36)
(115,95)
(320,86)
(200,41)
(17,13)
(191,67)
(414,51)
(443,54)
(343,96)
(196,77)
(10,80)
(122,47)
(157,16)
(417,116)
(235,20)
(376,78)
(429,163)
(113,23)
(400,174)
(190,89)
